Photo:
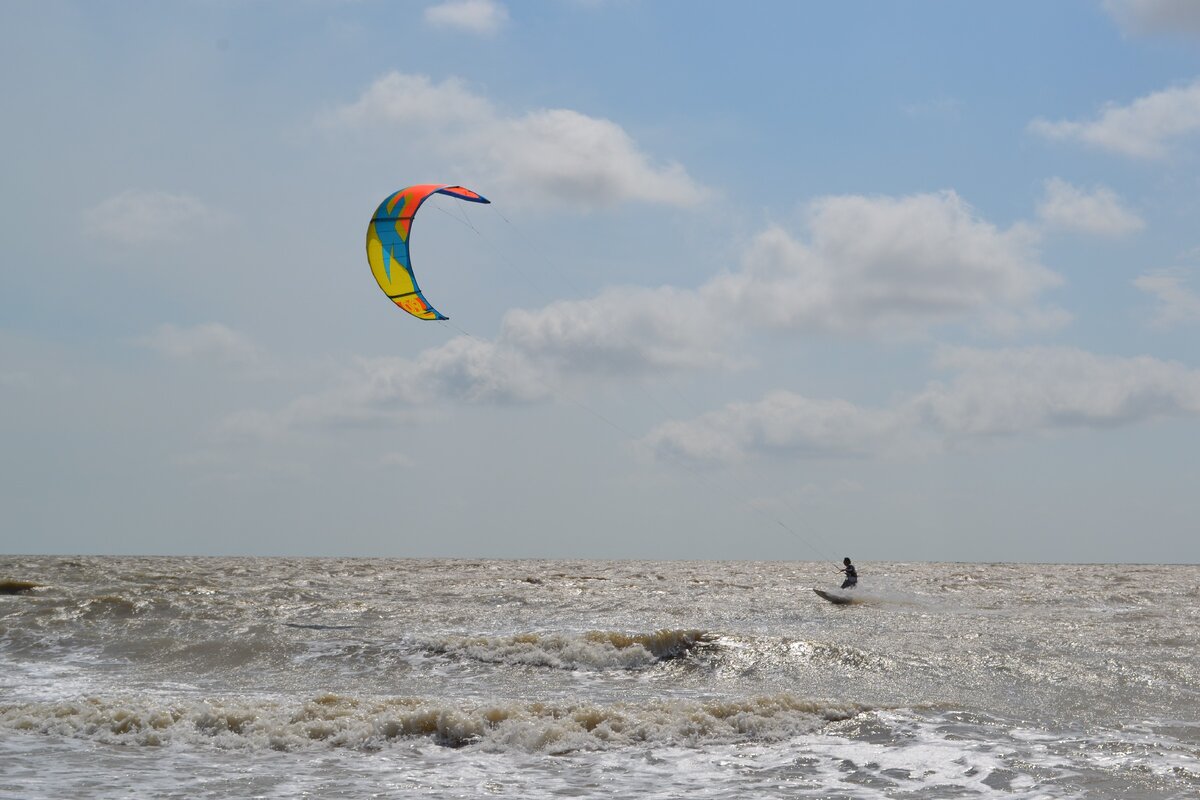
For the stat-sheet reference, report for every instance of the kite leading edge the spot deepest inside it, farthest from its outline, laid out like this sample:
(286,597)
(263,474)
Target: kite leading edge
(387,244)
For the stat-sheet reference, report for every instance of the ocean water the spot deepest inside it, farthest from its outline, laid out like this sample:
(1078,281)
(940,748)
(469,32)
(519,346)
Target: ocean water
(363,678)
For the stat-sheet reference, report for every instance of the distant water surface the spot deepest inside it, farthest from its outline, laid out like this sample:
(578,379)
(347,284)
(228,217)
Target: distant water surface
(280,678)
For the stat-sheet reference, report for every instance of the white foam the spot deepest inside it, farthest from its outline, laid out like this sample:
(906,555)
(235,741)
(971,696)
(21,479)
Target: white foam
(593,650)
(362,723)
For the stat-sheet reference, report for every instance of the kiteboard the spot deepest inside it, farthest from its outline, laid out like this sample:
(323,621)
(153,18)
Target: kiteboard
(836,599)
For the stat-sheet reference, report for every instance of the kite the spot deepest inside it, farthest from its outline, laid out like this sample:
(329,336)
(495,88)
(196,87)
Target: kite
(387,244)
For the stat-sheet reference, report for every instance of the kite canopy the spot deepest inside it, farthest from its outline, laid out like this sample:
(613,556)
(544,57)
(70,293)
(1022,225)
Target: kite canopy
(387,244)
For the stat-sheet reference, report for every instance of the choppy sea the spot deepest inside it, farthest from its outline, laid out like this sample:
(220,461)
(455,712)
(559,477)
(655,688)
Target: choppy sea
(363,678)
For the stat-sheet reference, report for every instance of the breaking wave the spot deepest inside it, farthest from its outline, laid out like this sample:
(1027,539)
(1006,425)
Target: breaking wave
(348,722)
(594,650)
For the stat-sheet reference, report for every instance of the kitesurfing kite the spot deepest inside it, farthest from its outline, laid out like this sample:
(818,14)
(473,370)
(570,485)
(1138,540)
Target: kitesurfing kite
(387,244)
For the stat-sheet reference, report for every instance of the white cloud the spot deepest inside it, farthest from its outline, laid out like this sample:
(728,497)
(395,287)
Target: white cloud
(1098,211)
(1022,390)
(1156,16)
(381,391)
(482,17)
(415,101)
(1177,303)
(993,393)
(625,330)
(580,159)
(348,405)
(889,265)
(872,266)
(470,369)
(781,423)
(551,156)
(144,217)
(1141,129)
(209,340)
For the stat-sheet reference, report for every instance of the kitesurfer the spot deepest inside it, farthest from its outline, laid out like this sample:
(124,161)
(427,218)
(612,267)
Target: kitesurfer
(851,574)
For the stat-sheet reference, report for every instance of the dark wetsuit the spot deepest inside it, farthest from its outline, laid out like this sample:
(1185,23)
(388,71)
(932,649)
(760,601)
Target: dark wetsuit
(851,577)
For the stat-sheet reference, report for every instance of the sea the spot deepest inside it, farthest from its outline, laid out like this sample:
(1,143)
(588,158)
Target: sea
(391,678)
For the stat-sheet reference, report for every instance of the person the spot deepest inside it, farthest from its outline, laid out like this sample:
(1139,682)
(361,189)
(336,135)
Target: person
(851,574)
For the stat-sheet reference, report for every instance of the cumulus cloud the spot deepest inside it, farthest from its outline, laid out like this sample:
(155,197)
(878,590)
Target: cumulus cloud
(1141,129)
(554,156)
(139,217)
(210,340)
(1098,211)
(1156,16)
(628,331)
(625,332)
(876,265)
(1020,390)
(375,391)
(574,157)
(416,101)
(363,397)
(781,423)
(481,17)
(1177,303)
(993,393)
(470,369)
(868,266)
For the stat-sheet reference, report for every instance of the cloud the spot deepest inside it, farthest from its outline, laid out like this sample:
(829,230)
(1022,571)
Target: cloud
(138,217)
(547,156)
(1141,129)
(625,331)
(1098,211)
(783,423)
(1156,16)
(1021,390)
(210,340)
(1177,304)
(1006,392)
(870,266)
(481,17)
(472,370)
(575,158)
(347,406)
(886,265)
(391,391)
(414,100)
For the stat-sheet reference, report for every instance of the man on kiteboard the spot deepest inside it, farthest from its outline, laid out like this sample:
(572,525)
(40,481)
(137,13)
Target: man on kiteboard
(851,574)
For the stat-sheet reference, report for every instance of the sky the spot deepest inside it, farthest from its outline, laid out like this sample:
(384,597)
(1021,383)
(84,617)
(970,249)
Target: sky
(772,280)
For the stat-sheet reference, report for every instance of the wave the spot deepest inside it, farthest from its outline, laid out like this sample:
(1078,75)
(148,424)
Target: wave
(594,650)
(348,722)
(110,607)
(844,656)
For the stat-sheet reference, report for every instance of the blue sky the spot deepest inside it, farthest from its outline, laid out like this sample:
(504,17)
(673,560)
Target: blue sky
(910,281)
